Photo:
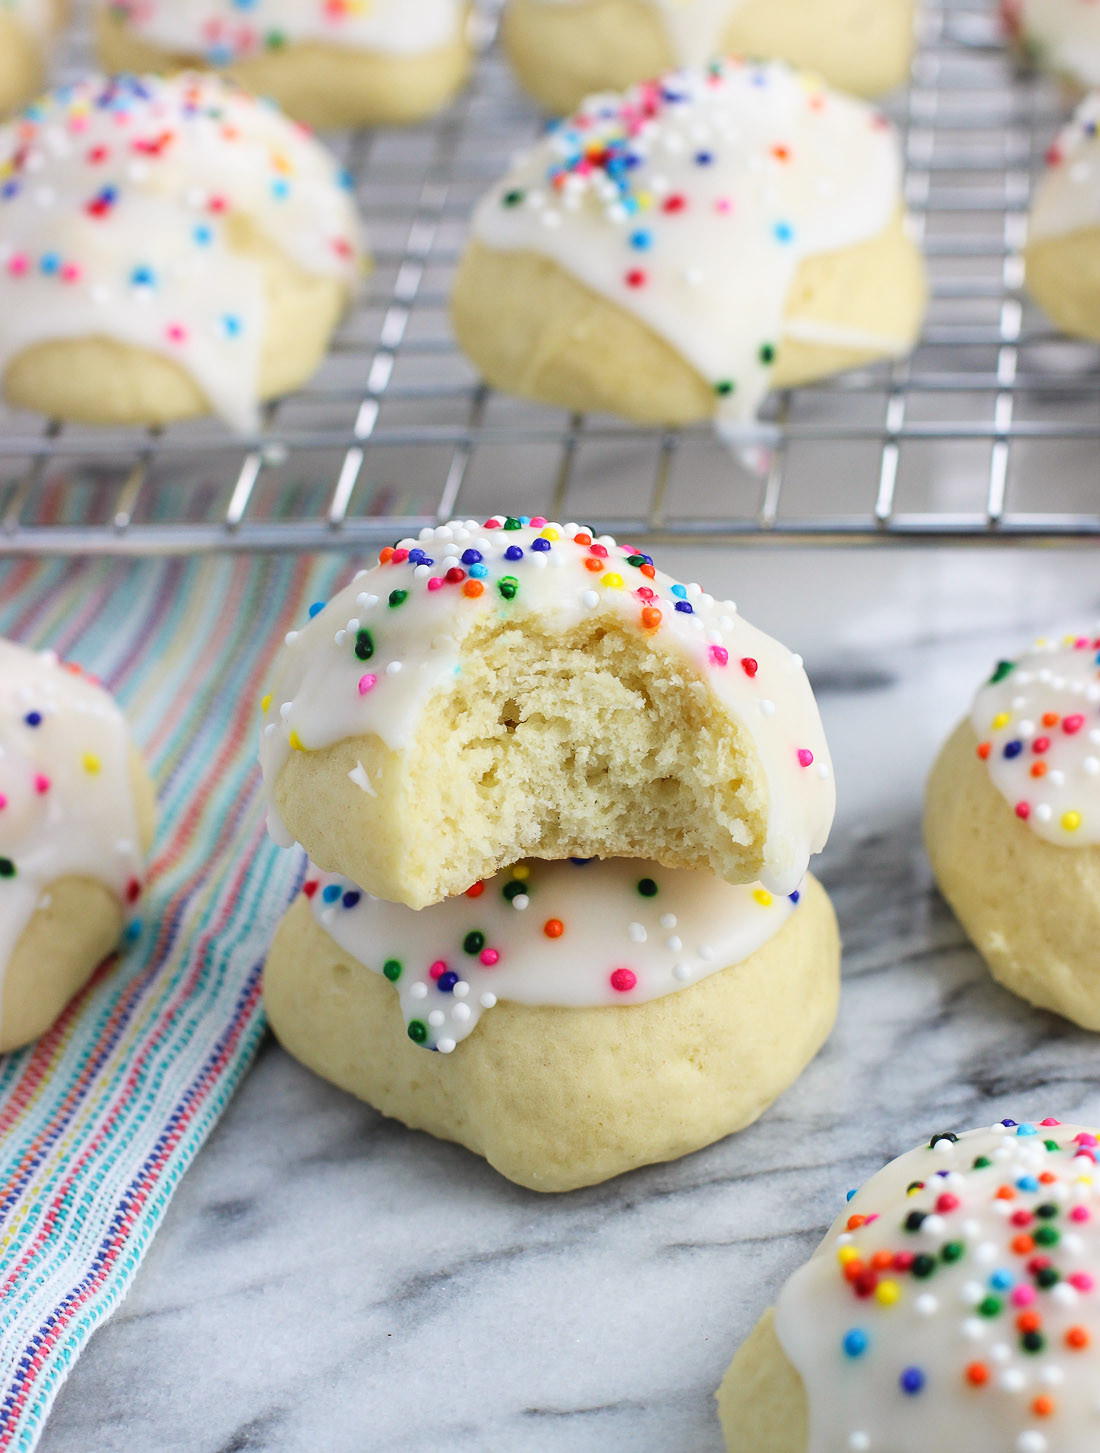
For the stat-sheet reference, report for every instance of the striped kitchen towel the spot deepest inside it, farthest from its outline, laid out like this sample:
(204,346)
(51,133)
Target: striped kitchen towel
(102,1116)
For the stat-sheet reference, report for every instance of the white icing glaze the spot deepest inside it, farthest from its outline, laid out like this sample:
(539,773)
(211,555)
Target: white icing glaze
(691,202)
(695,28)
(116,200)
(936,1360)
(322,693)
(66,794)
(222,31)
(1064,35)
(1067,198)
(1038,727)
(609,940)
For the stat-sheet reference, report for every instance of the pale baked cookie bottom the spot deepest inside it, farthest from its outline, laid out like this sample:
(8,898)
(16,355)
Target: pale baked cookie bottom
(67,939)
(560,1098)
(535,330)
(762,1402)
(562,53)
(100,380)
(22,65)
(1063,276)
(327,87)
(1031,907)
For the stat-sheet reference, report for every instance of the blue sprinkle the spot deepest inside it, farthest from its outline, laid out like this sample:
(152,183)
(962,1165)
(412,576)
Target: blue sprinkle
(50,264)
(784,232)
(416,557)
(1024,1128)
(143,277)
(1001,1280)
(912,1381)
(1009,1124)
(581,862)
(446,982)
(680,590)
(704,158)
(233,326)
(33,718)
(479,572)
(852,1194)
(316,608)
(513,552)
(1027,1183)
(795,896)
(540,544)
(685,607)
(203,235)
(331,892)
(471,557)
(133,931)
(1013,749)
(280,189)
(855,1342)
(641,240)
(351,897)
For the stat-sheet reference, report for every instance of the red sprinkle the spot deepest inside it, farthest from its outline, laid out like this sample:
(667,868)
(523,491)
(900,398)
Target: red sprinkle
(749,665)
(623,980)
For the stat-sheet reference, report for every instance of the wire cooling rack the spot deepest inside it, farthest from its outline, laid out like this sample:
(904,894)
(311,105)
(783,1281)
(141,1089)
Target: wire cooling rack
(988,433)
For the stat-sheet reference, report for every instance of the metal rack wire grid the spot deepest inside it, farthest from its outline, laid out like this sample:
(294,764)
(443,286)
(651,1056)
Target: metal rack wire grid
(989,432)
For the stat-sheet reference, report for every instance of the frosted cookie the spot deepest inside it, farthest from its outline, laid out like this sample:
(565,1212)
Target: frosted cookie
(1062,36)
(328,64)
(588,1018)
(672,254)
(952,1306)
(27,30)
(167,249)
(1012,825)
(563,50)
(76,820)
(520,689)
(1062,256)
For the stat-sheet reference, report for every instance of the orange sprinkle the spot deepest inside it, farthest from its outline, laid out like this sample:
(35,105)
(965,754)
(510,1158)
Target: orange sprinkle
(649,571)
(983,750)
(1029,1322)
(473,588)
(881,1260)
(1078,1337)
(781,153)
(1006,1193)
(1047,1178)
(476,891)
(1042,1407)
(553,928)
(855,1222)
(853,1269)
(977,1374)
(386,556)
(1038,769)
(651,618)
(1022,1245)
(1050,718)
(582,539)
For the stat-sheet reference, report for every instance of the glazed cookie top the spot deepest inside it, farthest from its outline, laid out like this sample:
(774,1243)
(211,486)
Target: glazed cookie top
(691,201)
(118,200)
(1038,725)
(1067,198)
(368,661)
(694,27)
(223,31)
(1062,35)
(954,1304)
(575,934)
(66,796)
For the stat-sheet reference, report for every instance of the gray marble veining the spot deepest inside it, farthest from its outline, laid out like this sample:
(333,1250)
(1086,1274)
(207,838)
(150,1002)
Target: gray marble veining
(327,1280)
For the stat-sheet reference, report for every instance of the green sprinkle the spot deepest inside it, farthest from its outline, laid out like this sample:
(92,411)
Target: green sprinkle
(636,560)
(952,1251)
(923,1265)
(474,942)
(7,868)
(990,1307)
(514,198)
(767,354)
(647,887)
(724,387)
(508,586)
(398,597)
(1047,1277)
(418,1031)
(982,1162)
(1002,670)
(1033,1341)
(364,645)
(1047,1211)
(392,970)
(513,889)
(1048,1236)
(275,40)
(511,523)
(1052,1145)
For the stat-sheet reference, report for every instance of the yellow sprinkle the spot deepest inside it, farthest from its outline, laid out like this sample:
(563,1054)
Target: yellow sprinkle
(265,702)
(522,872)
(645,201)
(845,1254)
(550,533)
(763,897)
(1001,719)
(613,580)
(296,743)
(913,1190)
(91,763)
(1071,821)
(887,1292)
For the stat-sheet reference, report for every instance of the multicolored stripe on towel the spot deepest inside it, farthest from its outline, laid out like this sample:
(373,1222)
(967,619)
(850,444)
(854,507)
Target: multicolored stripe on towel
(102,1116)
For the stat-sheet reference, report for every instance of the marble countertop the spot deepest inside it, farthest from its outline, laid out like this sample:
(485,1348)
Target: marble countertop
(328,1280)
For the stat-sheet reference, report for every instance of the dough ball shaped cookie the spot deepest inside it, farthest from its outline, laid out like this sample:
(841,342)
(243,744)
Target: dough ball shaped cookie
(328,65)
(520,689)
(27,29)
(563,50)
(76,821)
(196,253)
(951,1306)
(1062,36)
(1062,257)
(1012,825)
(589,1018)
(671,254)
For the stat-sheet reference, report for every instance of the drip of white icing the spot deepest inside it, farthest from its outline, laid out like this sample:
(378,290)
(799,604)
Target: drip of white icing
(1064,33)
(695,28)
(66,794)
(691,202)
(930,1352)
(1038,728)
(1067,198)
(572,934)
(322,692)
(222,31)
(116,204)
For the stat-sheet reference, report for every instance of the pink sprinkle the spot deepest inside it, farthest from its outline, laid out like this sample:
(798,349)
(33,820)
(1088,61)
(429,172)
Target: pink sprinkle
(18,264)
(723,204)
(435,583)
(3,802)
(1080,1213)
(367,683)
(623,980)
(1073,723)
(1082,1281)
(489,957)
(1085,1138)
(71,272)
(1023,810)
(537,522)
(1050,1121)
(805,757)
(1023,1295)
(438,969)
(41,783)
(176,333)
(719,656)
(947,1202)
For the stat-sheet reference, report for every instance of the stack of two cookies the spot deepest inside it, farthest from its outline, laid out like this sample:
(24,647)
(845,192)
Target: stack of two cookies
(559,809)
